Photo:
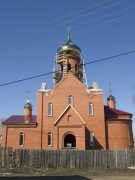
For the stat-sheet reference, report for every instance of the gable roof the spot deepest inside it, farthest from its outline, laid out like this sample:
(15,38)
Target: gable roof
(19,119)
(64,78)
(113,112)
(65,110)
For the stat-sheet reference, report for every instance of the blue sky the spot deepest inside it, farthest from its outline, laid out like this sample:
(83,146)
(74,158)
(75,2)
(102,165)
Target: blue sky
(31,31)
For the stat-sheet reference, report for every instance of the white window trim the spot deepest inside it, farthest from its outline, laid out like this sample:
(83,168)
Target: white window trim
(23,139)
(92,108)
(51,105)
(50,134)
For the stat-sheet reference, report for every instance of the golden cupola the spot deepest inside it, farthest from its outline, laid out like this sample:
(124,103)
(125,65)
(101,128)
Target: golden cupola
(68,59)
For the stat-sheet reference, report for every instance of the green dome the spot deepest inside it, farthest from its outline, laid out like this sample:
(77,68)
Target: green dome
(111,97)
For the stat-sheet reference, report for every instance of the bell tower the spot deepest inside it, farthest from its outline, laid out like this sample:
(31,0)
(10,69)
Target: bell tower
(68,59)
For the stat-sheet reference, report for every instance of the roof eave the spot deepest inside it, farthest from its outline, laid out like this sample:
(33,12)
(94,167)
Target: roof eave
(21,125)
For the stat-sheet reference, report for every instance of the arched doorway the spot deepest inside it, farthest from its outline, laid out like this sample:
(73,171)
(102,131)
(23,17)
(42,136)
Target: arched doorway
(70,141)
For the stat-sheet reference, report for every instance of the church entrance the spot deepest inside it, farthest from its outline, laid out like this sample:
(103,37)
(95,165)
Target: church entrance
(69,141)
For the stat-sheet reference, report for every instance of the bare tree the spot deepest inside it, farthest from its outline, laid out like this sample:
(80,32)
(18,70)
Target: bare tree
(1,120)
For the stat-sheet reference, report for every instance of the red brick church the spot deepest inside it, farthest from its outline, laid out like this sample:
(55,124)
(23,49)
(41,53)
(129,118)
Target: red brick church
(70,115)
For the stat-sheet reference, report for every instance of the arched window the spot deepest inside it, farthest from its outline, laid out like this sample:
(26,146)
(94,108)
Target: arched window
(70,100)
(49,139)
(21,139)
(50,109)
(91,109)
(75,68)
(69,117)
(69,67)
(91,139)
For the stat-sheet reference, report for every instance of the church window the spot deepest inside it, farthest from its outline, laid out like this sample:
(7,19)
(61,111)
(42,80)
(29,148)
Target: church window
(69,117)
(21,139)
(50,109)
(76,68)
(70,100)
(130,138)
(69,67)
(90,109)
(49,139)
(91,139)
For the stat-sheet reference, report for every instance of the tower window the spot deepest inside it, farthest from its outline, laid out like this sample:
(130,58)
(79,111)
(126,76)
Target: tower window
(49,139)
(62,67)
(69,67)
(21,139)
(70,100)
(76,68)
(91,139)
(90,109)
(50,109)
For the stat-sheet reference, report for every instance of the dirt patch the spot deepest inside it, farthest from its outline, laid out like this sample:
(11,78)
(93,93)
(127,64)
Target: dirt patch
(125,174)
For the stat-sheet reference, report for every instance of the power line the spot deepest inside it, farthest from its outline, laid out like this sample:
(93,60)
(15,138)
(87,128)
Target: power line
(108,22)
(110,57)
(25,79)
(87,63)
(92,9)
(117,12)
(57,21)
(95,8)
(86,30)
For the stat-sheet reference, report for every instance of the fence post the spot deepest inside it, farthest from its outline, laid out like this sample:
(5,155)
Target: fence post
(116,158)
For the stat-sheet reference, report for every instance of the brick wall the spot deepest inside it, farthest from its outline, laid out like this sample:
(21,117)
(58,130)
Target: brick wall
(70,120)
(59,98)
(118,134)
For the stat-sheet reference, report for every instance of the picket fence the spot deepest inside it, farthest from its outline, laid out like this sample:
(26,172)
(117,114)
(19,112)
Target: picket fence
(91,159)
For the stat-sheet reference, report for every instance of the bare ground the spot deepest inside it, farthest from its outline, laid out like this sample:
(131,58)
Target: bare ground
(72,174)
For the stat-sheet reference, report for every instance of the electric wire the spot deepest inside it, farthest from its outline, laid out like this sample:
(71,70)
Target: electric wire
(29,30)
(106,23)
(79,33)
(76,34)
(74,15)
(87,63)
(86,30)
(106,16)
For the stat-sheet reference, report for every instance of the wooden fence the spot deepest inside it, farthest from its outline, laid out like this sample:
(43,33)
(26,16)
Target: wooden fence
(91,159)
